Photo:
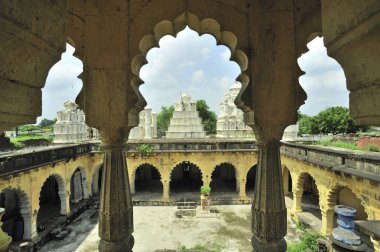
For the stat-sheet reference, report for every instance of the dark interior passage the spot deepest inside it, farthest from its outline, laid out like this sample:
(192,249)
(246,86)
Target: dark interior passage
(50,203)
(251,180)
(148,179)
(223,178)
(185,177)
(13,223)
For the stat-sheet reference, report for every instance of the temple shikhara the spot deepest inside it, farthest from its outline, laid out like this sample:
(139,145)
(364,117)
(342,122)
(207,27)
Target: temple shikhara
(185,122)
(230,120)
(43,190)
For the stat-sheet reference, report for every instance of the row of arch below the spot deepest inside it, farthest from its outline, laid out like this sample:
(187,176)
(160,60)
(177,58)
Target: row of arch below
(187,177)
(17,219)
(309,200)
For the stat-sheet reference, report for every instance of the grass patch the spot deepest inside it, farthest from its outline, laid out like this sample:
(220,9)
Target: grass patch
(20,141)
(200,247)
(309,241)
(346,145)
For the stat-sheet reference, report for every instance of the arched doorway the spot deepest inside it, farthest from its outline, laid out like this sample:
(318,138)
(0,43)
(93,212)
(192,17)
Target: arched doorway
(148,179)
(251,180)
(310,195)
(78,187)
(223,178)
(97,181)
(287,181)
(17,221)
(52,201)
(185,177)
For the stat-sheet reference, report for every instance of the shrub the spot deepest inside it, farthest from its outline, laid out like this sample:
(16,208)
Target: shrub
(205,190)
(309,241)
(373,148)
(144,148)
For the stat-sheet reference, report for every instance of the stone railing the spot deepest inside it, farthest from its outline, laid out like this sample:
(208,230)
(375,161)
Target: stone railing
(360,164)
(15,163)
(204,144)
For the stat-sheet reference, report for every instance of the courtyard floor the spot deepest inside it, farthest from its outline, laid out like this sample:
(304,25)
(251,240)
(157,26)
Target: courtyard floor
(159,228)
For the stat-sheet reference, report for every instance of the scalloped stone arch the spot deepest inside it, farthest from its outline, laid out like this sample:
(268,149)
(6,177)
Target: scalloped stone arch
(25,211)
(133,173)
(85,180)
(332,195)
(225,163)
(61,191)
(206,26)
(193,163)
(301,179)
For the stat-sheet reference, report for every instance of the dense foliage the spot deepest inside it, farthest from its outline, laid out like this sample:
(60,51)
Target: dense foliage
(333,120)
(163,119)
(46,122)
(208,117)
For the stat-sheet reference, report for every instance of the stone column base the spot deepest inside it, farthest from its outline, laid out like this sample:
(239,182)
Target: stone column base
(265,246)
(125,245)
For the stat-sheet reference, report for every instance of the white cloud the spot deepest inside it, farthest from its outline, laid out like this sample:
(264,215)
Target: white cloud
(61,85)
(197,65)
(198,76)
(324,81)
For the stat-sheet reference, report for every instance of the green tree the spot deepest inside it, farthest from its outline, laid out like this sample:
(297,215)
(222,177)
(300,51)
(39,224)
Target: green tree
(333,120)
(29,128)
(163,118)
(208,117)
(46,122)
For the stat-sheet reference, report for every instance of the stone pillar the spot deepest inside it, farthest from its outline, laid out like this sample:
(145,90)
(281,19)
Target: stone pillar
(154,125)
(116,211)
(285,181)
(85,188)
(30,221)
(327,220)
(269,219)
(297,200)
(132,184)
(65,201)
(166,190)
(242,193)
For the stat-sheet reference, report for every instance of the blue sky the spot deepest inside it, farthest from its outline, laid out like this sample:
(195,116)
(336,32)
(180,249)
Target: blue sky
(201,68)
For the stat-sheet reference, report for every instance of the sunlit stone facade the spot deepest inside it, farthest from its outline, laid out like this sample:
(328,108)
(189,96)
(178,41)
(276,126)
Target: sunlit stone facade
(71,127)
(230,122)
(147,128)
(185,122)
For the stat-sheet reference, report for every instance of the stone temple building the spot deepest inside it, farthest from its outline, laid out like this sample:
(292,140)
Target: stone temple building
(230,122)
(185,122)
(147,128)
(71,126)
(113,38)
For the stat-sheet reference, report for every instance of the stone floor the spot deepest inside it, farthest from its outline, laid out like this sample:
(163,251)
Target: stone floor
(159,228)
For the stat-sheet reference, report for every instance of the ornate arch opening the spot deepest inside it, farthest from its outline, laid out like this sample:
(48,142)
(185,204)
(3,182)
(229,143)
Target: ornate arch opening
(343,195)
(287,181)
(52,201)
(251,180)
(185,177)
(96,185)
(224,178)
(205,26)
(310,194)
(78,186)
(17,218)
(148,179)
